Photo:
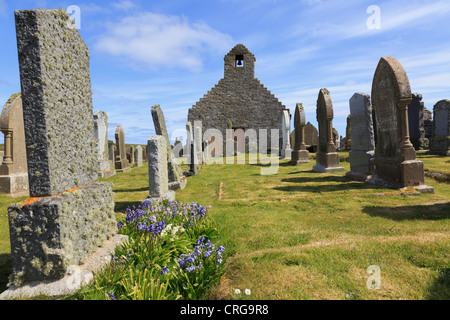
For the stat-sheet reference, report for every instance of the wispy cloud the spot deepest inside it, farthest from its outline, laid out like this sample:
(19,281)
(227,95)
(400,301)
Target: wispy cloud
(152,40)
(3,8)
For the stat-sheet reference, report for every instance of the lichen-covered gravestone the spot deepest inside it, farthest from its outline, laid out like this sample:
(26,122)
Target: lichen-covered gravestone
(101,133)
(327,159)
(157,169)
(70,213)
(440,141)
(121,163)
(348,133)
(13,170)
(138,156)
(300,154)
(362,137)
(395,163)
(175,174)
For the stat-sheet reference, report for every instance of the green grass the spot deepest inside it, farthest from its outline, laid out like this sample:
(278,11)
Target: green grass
(306,235)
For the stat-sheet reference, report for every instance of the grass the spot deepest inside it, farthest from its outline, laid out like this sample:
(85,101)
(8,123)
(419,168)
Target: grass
(306,235)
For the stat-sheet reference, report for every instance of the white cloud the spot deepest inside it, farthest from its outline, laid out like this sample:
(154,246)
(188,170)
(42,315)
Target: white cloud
(3,8)
(123,5)
(156,40)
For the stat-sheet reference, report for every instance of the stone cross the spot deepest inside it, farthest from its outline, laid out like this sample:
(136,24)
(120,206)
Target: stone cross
(70,214)
(395,162)
(327,159)
(121,162)
(300,154)
(13,170)
(362,137)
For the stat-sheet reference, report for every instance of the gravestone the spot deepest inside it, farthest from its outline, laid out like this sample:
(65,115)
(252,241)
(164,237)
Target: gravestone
(198,146)
(138,156)
(416,124)
(336,138)
(440,142)
(158,177)
(101,133)
(111,150)
(327,159)
(300,154)
(13,169)
(286,150)
(428,124)
(175,175)
(395,163)
(131,153)
(348,133)
(311,137)
(122,164)
(362,137)
(70,214)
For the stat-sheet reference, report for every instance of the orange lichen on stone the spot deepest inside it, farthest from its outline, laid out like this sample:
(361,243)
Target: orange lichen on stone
(31,200)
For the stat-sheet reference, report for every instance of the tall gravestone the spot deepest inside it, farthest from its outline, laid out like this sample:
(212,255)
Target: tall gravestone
(440,141)
(101,133)
(286,151)
(70,214)
(395,163)
(122,164)
(138,156)
(362,137)
(157,169)
(176,178)
(111,151)
(13,170)
(416,124)
(327,159)
(300,154)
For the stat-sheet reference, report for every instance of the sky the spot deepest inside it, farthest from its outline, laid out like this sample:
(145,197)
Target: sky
(171,52)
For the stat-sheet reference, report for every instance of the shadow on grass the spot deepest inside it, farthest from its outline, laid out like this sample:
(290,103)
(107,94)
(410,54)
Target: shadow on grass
(121,206)
(130,189)
(5,270)
(301,184)
(439,211)
(440,289)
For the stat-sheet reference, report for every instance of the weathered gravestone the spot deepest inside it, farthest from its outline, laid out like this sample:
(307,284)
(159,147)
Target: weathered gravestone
(335,138)
(70,213)
(327,159)
(300,154)
(416,124)
(111,151)
(395,163)
(138,156)
(157,169)
(175,175)
(440,142)
(122,164)
(101,133)
(286,150)
(311,137)
(362,137)
(13,170)
(131,153)
(348,133)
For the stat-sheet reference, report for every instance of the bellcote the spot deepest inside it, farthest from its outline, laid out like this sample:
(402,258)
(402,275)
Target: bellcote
(240,63)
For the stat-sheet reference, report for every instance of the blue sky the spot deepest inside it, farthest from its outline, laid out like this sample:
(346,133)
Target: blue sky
(171,52)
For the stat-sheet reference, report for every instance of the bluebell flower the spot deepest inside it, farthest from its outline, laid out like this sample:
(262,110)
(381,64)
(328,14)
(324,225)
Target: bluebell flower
(111,296)
(164,270)
(119,225)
